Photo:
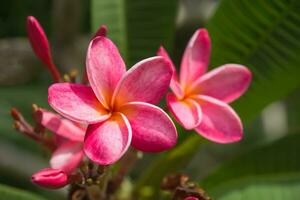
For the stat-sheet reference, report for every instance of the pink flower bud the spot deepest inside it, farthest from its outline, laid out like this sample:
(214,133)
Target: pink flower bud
(50,178)
(191,198)
(40,45)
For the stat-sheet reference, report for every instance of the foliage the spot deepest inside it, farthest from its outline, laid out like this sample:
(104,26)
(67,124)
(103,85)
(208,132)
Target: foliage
(268,171)
(16,194)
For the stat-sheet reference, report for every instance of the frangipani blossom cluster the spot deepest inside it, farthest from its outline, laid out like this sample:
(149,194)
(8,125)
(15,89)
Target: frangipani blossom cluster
(116,108)
(68,153)
(118,105)
(200,100)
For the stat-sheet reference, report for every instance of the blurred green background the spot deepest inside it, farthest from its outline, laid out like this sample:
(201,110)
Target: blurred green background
(263,35)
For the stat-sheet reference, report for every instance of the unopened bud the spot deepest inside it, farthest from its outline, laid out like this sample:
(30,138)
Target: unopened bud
(50,178)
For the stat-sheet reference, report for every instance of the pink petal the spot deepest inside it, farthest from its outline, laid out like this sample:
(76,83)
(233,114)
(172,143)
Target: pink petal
(67,156)
(187,111)
(102,31)
(147,81)
(62,127)
(106,142)
(105,68)
(219,122)
(76,102)
(196,57)
(50,178)
(174,85)
(225,83)
(152,128)
(40,45)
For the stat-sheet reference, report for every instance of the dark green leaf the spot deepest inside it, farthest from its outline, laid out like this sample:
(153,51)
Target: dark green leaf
(138,27)
(10,193)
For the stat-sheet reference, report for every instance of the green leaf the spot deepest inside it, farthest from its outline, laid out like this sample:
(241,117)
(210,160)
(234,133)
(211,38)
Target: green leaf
(273,167)
(264,36)
(275,190)
(10,193)
(138,27)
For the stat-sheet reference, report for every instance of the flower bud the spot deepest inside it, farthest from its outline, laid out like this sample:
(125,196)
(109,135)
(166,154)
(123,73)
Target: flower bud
(40,45)
(50,178)
(191,198)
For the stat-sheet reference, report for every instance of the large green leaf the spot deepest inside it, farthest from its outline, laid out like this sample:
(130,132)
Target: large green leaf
(275,190)
(264,36)
(10,193)
(266,170)
(138,27)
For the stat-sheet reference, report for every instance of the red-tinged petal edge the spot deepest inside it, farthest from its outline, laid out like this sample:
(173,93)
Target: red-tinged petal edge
(102,31)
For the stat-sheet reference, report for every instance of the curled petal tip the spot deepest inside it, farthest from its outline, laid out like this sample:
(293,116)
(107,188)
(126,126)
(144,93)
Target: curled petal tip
(191,198)
(50,178)
(102,31)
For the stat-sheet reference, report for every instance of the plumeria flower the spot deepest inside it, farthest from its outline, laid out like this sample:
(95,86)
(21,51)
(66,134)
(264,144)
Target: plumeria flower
(69,140)
(200,100)
(117,106)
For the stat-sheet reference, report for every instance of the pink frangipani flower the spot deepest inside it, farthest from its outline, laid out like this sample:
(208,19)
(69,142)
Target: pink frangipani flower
(69,140)
(200,100)
(118,105)
(50,178)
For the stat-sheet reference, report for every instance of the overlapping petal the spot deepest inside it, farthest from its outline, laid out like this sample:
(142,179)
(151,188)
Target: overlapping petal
(152,128)
(105,67)
(219,122)
(147,81)
(225,83)
(106,142)
(76,102)
(62,127)
(187,111)
(67,156)
(174,85)
(196,57)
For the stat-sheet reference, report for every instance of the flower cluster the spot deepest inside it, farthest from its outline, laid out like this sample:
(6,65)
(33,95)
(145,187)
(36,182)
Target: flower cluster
(113,109)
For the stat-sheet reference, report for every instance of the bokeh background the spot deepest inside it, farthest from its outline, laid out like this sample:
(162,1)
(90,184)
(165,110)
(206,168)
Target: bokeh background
(263,35)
